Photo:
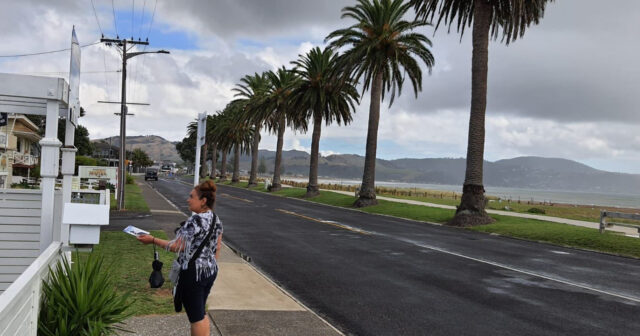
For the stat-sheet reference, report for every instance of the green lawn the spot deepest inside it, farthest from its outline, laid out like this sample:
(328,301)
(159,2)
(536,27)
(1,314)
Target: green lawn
(523,228)
(133,200)
(129,263)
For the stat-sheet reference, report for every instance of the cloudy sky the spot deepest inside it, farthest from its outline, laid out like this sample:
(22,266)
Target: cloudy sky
(570,88)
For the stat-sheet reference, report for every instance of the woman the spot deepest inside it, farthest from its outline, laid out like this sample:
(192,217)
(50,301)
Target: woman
(196,278)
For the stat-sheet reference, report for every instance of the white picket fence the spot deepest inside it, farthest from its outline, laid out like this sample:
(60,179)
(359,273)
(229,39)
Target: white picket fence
(20,302)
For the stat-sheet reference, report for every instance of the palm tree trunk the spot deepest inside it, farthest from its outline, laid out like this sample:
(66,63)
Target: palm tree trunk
(214,159)
(203,164)
(471,210)
(253,175)
(223,168)
(312,187)
(235,178)
(276,185)
(367,195)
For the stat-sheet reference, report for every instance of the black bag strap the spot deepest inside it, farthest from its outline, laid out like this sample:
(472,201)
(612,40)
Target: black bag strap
(196,254)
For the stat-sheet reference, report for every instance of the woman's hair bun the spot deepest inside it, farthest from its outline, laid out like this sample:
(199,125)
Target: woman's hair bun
(207,189)
(207,186)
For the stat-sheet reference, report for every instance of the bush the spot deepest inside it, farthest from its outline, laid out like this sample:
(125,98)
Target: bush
(536,211)
(80,299)
(129,179)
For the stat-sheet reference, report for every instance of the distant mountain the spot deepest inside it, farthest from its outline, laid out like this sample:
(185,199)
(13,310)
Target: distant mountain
(158,148)
(522,172)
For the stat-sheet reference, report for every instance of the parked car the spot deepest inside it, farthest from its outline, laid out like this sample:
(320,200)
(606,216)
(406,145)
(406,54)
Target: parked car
(151,174)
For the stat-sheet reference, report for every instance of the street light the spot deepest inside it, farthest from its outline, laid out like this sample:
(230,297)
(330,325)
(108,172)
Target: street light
(123,118)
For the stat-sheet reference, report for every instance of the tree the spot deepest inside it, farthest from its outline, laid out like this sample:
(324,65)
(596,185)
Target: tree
(325,94)
(383,48)
(490,19)
(232,131)
(251,91)
(186,149)
(140,159)
(262,167)
(282,113)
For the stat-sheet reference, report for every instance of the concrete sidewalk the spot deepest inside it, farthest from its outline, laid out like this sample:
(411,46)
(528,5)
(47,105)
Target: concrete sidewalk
(243,301)
(625,230)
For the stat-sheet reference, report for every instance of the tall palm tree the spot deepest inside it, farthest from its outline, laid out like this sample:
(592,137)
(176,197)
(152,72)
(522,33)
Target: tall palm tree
(281,113)
(325,94)
(251,91)
(490,19)
(223,167)
(384,48)
(211,140)
(233,132)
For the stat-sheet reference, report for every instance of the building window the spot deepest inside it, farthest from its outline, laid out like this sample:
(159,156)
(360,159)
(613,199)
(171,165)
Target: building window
(18,145)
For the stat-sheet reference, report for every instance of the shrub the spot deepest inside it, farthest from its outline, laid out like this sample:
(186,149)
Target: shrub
(536,211)
(129,179)
(80,299)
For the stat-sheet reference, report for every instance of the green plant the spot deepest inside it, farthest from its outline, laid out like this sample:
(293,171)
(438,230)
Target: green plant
(536,211)
(130,179)
(80,299)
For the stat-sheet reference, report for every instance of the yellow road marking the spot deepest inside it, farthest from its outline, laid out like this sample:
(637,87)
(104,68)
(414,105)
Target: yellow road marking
(324,222)
(237,198)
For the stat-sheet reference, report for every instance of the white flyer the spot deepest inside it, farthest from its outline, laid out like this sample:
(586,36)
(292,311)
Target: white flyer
(134,231)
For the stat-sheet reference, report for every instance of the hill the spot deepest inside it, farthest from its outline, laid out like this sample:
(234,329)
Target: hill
(158,148)
(522,172)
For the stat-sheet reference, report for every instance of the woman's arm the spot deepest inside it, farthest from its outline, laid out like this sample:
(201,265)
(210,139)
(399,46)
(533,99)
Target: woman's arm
(177,246)
(219,244)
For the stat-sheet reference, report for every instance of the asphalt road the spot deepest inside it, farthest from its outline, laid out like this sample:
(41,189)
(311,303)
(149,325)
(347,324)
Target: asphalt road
(377,275)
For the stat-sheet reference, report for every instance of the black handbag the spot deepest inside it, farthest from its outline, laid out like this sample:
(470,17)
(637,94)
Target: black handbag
(177,289)
(156,280)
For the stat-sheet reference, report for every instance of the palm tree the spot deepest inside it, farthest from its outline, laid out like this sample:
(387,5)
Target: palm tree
(233,132)
(211,140)
(490,18)
(383,48)
(251,91)
(281,113)
(325,94)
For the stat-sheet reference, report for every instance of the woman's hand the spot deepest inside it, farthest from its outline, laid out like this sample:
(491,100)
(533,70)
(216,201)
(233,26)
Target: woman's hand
(145,238)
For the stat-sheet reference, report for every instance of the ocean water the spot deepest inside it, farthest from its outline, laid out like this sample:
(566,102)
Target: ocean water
(514,194)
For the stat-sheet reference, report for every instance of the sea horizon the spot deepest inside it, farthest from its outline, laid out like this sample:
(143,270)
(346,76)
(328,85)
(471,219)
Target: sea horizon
(508,193)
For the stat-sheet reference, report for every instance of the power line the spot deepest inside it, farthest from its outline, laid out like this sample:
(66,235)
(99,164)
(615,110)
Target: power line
(144,4)
(115,25)
(96,15)
(133,17)
(152,16)
(104,53)
(49,52)
(147,38)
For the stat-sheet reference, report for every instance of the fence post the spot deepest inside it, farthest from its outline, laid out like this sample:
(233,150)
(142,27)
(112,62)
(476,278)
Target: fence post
(603,215)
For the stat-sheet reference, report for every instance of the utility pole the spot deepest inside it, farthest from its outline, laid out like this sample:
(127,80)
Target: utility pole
(123,106)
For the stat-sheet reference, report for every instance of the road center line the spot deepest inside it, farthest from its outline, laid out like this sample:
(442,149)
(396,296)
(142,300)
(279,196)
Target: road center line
(342,226)
(237,198)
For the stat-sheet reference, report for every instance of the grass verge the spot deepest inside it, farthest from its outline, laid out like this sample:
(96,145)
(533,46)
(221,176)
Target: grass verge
(522,228)
(129,263)
(133,200)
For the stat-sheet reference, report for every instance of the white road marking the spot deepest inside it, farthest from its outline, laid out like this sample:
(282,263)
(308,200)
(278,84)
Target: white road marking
(560,252)
(566,282)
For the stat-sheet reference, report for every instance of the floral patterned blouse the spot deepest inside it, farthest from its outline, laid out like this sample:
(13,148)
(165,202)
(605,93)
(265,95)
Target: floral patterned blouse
(192,234)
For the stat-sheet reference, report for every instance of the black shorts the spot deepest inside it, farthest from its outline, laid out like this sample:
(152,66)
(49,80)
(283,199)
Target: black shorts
(195,293)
